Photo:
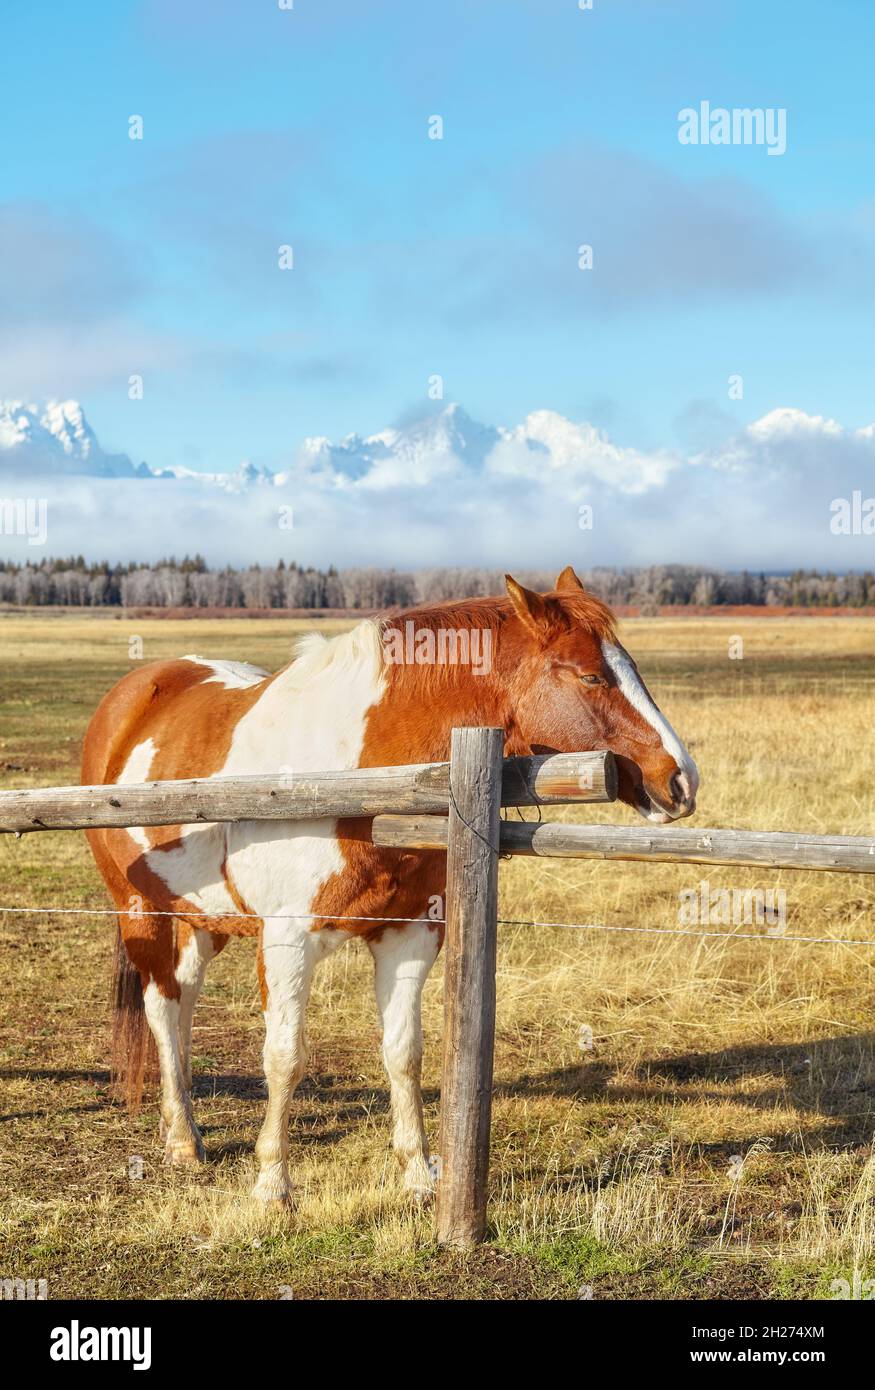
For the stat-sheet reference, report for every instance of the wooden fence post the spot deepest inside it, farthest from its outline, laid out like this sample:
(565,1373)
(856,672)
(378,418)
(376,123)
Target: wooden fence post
(469,984)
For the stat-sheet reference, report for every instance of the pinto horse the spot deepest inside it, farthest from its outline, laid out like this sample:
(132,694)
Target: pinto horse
(557,680)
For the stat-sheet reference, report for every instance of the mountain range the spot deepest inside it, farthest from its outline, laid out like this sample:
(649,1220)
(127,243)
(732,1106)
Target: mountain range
(56,440)
(444,488)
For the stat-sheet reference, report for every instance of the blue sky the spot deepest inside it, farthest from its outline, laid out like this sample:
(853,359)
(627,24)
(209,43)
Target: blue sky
(415,256)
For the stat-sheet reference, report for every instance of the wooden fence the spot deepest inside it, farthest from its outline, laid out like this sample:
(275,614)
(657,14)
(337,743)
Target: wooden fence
(455,807)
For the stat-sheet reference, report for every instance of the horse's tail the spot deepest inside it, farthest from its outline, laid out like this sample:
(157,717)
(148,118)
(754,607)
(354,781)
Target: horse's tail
(133,1048)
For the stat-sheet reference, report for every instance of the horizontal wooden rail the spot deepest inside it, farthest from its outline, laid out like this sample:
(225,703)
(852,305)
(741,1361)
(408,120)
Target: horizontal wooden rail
(669,845)
(548,779)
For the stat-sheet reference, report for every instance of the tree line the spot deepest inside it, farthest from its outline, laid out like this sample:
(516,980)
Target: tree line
(192,583)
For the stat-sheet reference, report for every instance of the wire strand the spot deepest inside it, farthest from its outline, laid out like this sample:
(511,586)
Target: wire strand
(502,921)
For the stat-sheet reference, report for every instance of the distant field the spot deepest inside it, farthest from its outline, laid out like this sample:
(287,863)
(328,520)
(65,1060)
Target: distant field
(612,1166)
(626,610)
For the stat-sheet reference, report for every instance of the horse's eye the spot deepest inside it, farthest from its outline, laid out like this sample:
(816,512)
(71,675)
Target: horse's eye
(591,680)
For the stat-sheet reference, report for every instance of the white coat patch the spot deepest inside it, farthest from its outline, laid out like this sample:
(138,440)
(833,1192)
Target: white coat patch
(310,718)
(135,770)
(233,675)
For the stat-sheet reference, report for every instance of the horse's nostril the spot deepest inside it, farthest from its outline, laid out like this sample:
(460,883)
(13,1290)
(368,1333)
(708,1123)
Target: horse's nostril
(677,791)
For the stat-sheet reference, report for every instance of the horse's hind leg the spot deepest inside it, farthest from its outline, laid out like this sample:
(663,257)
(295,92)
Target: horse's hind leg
(287,957)
(195,949)
(149,943)
(403,956)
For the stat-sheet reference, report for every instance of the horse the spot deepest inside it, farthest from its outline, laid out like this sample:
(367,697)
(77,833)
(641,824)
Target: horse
(556,680)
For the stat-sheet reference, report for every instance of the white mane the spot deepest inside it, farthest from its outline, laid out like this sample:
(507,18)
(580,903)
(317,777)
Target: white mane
(315,654)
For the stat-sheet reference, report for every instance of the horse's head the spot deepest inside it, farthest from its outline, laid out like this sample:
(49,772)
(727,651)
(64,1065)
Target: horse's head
(576,688)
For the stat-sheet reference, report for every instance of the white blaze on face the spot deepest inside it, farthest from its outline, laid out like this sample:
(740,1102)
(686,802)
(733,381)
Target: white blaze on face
(619,662)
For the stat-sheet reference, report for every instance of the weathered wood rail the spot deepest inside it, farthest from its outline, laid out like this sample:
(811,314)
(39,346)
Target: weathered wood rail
(845,854)
(453,806)
(549,779)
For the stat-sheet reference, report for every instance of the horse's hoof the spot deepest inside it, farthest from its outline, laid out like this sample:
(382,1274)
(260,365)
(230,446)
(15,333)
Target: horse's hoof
(282,1206)
(272,1187)
(283,1202)
(187,1153)
(419,1181)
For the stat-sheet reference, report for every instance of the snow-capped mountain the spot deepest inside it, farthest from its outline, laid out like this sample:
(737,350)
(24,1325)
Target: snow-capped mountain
(416,452)
(246,476)
(444,485)
(446,449)
(56,438)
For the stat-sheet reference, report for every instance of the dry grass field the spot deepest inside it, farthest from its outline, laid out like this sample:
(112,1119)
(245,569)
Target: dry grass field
(615,1165)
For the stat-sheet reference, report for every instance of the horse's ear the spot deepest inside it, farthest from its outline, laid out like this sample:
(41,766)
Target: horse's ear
(568,580)
(529,607)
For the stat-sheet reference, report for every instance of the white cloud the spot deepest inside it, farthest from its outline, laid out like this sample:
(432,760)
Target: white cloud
(575,454)
(786,423)
(447,490)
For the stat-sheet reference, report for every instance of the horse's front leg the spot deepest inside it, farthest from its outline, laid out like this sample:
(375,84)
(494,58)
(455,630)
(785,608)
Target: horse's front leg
(403,956)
